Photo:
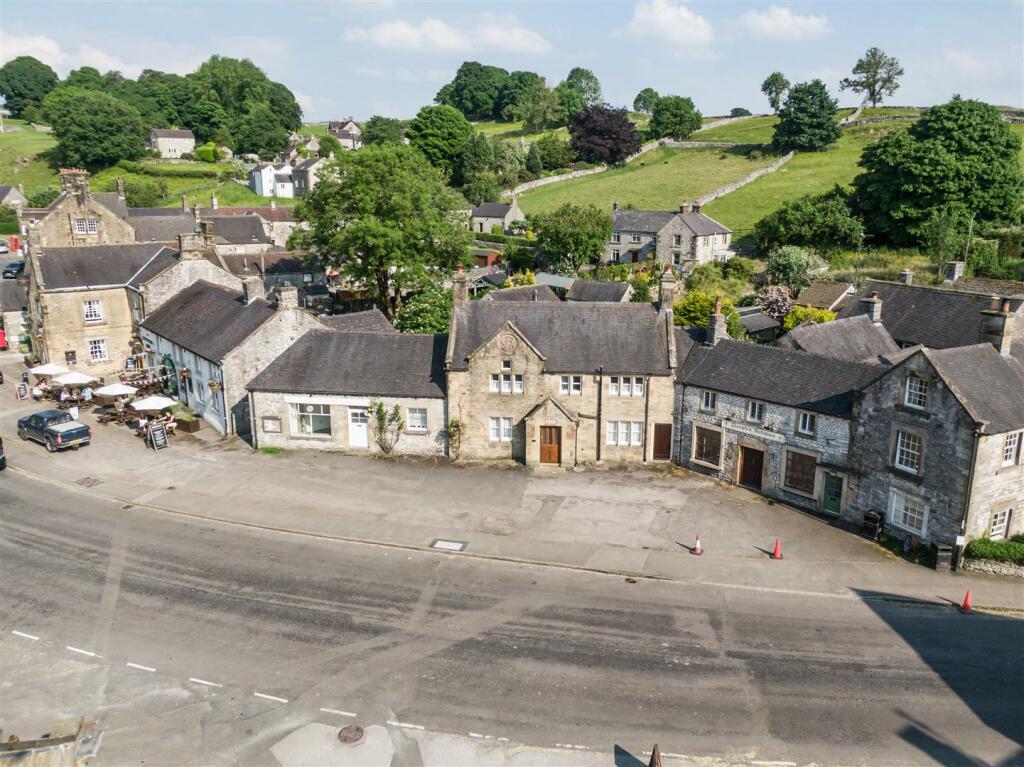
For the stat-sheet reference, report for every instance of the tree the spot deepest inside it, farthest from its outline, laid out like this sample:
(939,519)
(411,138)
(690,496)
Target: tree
(944,236)
(509,162)
(384,217)
(261,132)
(93,129)
(645,101)
(428,311)
(145,193)
(958,152)
(43,197)
(739,112)
(475,90)
(674,117)
(824,222)
(695,308)
(801,314)
(570,102)
(554,152)
(775,87)
(537,107)
(481,187)
(24,82)
(603,134)
(477,157)
(208,121)
(875,75)
(573,235)
(85,77)
(440,133)
(807,120)
(775,303)
(789,266)
(382,130)
(738,268)
(584,83)
(519,85)
(387,425)
(329,145)
(533,162)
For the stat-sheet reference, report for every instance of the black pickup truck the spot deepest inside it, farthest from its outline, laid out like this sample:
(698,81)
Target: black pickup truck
(55,429)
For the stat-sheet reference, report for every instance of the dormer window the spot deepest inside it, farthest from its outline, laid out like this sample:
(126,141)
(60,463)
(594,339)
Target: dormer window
(915,393)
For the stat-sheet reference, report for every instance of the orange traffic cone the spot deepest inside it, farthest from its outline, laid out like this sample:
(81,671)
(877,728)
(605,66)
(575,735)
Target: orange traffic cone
(777,551)
(965,608)
(696,548)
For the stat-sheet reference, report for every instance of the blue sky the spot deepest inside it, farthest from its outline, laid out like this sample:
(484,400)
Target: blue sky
(388,57)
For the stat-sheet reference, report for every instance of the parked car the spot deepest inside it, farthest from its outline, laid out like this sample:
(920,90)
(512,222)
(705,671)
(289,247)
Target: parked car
(13,269)
(4,248)
(3,456)
(55,429)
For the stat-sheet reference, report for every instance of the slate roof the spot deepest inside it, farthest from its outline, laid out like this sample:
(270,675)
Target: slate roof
(985,286)
(554,280)
(145,212)
(370,321)
(935,317)
(573,337)
(854,338)
(989,385)
(171,133)
(96,265)
(6,190)
(271,262)
(491,210)
(306,164)
(522,293)
(593,290)
(208,320)
(238,230)
(277,213)
(641,220)
(163,227)
(13,296)
(792,378)
(368,364)
(701,225)
(755,322)
(823,295)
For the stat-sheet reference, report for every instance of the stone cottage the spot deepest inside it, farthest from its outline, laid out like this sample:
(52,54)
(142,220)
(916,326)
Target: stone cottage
(682,238)
(78,216)
(172,143)
(488,215)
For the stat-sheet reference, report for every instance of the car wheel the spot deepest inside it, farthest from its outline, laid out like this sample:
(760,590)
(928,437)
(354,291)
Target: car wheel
(50,447)
(22,433)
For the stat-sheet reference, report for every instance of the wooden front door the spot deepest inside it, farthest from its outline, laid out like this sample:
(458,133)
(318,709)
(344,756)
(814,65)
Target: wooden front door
(662,441)
(550,444)
(751,467)
(832,493)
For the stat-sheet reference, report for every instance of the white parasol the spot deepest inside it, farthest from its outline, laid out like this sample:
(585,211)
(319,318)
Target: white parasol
(48,369)
(73,378)
(116,390)
(154,402)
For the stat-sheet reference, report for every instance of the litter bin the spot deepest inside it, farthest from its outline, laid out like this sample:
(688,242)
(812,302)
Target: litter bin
(873,525)
(943,557)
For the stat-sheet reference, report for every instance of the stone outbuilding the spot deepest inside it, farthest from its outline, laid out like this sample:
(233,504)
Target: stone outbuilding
(487,215)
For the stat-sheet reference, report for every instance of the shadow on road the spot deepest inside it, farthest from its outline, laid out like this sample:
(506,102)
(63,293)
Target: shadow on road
(977,656)
(624,758)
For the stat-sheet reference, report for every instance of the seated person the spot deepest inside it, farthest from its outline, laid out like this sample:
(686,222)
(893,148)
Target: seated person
(87,393)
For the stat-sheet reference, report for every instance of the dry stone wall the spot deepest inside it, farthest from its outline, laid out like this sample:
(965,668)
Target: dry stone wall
(724,190)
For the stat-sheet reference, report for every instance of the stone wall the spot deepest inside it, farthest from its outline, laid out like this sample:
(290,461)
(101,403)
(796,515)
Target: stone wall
(993,568)
(673,144)
(56,228)
(724,190)
(852,117)
(726,121)
(64,329)
(181,275)
(536,184)
(995,488)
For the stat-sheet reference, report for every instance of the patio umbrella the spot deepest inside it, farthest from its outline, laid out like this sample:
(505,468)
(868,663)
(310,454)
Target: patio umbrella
(155,402)
(116,390)
(73,378)
(48,369)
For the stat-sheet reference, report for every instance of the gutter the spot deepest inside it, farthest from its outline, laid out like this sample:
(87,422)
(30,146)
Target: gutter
(647,411)
(600,393)
(967,498)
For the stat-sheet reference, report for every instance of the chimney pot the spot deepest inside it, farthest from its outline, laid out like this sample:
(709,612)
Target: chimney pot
(287,297)
(252,288)
(460,289)
(907,277)
(717,329)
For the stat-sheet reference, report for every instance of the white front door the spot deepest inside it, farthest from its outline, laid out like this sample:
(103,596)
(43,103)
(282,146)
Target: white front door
(358,427)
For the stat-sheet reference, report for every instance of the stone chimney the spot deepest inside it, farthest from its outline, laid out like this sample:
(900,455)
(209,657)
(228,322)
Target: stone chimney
(460,289)
(717,329)
(667,289)
(74,181)
(190,247)
(213,201)
(287,297)
(252,288)
(120,189)
(695,206)
(954,271)
(685,207)
(997,326)
(206,231)
(872,307)
(907,277)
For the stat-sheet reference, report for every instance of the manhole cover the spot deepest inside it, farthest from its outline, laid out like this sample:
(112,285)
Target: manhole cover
(351,734)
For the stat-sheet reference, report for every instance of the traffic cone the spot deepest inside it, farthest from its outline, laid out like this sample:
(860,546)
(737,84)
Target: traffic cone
(777,551)
(965,608)
(696,548)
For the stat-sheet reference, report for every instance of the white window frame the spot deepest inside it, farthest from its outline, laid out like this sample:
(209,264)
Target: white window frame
(897,511)
(92,226)
(1011,448)
(495,383)
(624,433)
(708,401)
(612,433)
(803,418)
(613,386)
(506,366)
(506,383)
(517,383)
(616,237)
(638,387)
(999,525)
(636,433)
(616,255)
(506,429)
(80,226)
(755,411)
(96,307)
(97,345)
(634,237)
(571,385)
(577,385)
(915,392)
(306,412)
(412,422)
(677,240)
(910,449)
(494,429)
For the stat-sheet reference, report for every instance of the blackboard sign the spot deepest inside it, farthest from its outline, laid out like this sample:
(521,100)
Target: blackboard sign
(157,436)
(21,391)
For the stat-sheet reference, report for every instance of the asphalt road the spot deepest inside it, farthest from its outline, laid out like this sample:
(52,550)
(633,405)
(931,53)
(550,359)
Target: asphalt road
(187,622)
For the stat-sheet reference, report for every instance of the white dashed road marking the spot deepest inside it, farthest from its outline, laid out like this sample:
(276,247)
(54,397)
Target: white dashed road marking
(269,697)
(405,724)
(140,668)
(203,681)
(80,651)
(339,713)
(23,635)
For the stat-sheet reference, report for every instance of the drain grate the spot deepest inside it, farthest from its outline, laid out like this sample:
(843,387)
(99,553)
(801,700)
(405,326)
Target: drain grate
(443,545)
(88,481)
(351,734)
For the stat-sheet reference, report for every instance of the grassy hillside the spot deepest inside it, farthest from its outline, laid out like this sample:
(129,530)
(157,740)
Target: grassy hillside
(755,130)
(197,190)
(313,129)
(23,160)
(660,180)
(513,131)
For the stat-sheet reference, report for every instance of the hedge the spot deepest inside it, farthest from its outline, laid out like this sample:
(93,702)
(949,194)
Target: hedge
(503,239)
(1011,551)
(152,169)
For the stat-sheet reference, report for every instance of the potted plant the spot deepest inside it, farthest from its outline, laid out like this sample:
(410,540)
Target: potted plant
(187,420)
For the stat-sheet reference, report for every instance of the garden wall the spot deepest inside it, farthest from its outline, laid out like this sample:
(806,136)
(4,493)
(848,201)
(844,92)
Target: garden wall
(992,567)
(724,190)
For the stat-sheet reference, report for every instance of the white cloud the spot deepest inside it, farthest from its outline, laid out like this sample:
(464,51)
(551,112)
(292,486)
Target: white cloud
(778,23)
(90,56)
(403,75)
(671,23)
(434,36)
(304,99)
(46,49)
(962,61)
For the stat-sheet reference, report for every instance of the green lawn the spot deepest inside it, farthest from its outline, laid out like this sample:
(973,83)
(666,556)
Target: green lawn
(22,160)
(659,180)
(313,129)
(513,131)
(754,130)
(197,190)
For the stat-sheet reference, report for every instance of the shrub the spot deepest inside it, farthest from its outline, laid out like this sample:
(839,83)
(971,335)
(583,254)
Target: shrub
(43,197)
(1011,551)
(144,193)
(823,222)
(8,220)
(641,283)
(158,169)
(387,426)
(207,153)
(695,308)
(755,154)
(739,268)
(789,266)
(453,435)
(801,314)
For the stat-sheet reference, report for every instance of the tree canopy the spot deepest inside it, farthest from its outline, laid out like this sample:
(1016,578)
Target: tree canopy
(775,87)
(520,86)
(958,153)
(790,266)
(695,308)
(427,311)
(572,235)
(807,119)
(823,222)
(584,83)
(674,117)
(537,106)
(382,130)
(24,82)
(440,133)
(475,91)
(93,129)
(875,75)
(384,217)
(554,152)
(645,101)
(603,134)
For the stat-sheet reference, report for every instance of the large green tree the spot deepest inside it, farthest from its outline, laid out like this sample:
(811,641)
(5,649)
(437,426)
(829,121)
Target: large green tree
(382,130)
(585,83)
(440,133)
(93,129)
(790,266)
(674,117)
(208,121)
(960,152)
(384,217)
(260,131)
(427,311)
(24,82)
(645,101)
(572,236)
(477,157)
(807,120)
(603,134)
(823,222)
(555,152)
(875,75)
(775,87)
(538,107)
(84,77)
(520,84)
(475,91)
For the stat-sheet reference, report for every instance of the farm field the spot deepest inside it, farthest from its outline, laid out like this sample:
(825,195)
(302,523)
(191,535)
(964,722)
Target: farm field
(513,131)
(22,160)
(660,179)
(754,130)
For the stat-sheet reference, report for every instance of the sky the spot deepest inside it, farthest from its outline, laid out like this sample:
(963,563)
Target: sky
(360,58)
